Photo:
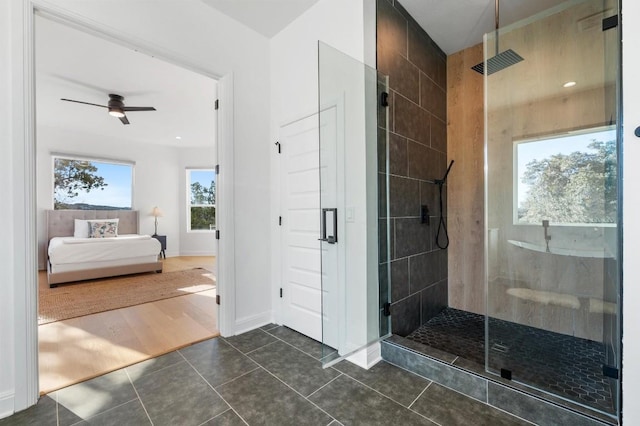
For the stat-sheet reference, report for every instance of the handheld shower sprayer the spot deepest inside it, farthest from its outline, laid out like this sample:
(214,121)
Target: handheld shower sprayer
(441,223)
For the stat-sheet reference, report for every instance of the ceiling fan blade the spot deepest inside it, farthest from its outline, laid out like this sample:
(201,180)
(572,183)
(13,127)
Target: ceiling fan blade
(124,120)
(86,103)
(128,108)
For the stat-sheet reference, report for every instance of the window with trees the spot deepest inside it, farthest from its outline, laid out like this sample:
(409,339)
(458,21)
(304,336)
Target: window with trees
(567,179)
(201,187)
(88,184)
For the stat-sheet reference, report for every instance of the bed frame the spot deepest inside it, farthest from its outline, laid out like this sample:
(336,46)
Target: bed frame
(60,223)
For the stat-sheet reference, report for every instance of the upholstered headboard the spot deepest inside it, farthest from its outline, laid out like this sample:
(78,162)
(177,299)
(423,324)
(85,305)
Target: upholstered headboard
(60,222)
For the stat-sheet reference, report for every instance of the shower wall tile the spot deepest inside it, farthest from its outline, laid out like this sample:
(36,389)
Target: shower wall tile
(398,163)
(399,279)
(433,98)
(426,269)
(416,68)
(427,56)
(425,163)
(411,237)
(434,300)
(429,195)
(438,135)
(404,77)
(405,315)
(404,197)
(412,121)
(391,29)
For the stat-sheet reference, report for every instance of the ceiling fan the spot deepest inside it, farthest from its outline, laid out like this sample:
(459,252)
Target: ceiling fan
(115,106)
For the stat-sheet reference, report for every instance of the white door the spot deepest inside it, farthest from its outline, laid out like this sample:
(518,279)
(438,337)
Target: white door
(302,291)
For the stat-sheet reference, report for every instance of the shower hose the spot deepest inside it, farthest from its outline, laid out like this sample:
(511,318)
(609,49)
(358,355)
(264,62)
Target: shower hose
(442,225)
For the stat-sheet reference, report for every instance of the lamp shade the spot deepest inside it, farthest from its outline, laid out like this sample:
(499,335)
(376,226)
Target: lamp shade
(156,212)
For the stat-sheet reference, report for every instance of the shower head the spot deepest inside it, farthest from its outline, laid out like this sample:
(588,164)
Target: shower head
(498,62)
(501,60)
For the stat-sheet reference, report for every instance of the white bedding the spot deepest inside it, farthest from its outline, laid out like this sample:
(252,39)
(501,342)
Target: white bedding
(70,250)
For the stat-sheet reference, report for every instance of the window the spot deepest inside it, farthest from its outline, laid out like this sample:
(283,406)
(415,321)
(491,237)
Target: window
(86,184)
(201,185)
(567,179)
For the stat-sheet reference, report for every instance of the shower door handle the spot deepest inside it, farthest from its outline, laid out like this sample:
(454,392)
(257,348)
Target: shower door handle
(329,230)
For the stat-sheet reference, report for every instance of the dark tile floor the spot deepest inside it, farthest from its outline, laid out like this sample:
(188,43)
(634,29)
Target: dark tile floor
(557,363)
(269,376)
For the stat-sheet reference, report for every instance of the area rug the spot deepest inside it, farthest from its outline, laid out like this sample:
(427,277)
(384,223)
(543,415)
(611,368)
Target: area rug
(90,297)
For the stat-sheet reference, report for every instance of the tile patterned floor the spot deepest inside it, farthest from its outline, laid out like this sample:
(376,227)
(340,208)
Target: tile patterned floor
(269,376)
(560,364)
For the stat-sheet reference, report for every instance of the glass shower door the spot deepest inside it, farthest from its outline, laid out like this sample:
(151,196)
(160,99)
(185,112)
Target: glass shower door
(349,185)
(551,133)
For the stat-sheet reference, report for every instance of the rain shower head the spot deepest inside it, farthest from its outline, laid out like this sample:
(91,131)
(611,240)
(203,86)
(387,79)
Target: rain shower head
(501,60)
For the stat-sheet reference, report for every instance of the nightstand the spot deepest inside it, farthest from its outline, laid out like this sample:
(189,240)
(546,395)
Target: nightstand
(163,244)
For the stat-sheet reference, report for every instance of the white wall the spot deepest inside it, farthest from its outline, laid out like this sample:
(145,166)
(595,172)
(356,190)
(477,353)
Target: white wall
(201,36)
(631,206)
(294,86)
(8,348)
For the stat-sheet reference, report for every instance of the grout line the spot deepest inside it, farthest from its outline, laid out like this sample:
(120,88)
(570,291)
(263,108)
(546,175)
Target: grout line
(218,415)
(257,349)
(299,349)
(340,373)
(304,397)
(218,393)
(391,399)
(138,395)
(418,397)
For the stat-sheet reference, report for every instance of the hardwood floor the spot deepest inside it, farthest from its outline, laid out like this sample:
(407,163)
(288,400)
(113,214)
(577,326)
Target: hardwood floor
(78,349)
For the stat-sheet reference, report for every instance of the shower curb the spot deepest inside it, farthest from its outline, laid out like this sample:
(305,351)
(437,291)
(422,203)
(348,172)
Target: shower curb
(486,390)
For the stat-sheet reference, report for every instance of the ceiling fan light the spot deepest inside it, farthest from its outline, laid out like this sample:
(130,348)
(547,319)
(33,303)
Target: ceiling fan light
(116,112)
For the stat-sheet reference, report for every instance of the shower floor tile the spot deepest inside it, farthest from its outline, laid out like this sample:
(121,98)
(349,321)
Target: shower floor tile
(564,365)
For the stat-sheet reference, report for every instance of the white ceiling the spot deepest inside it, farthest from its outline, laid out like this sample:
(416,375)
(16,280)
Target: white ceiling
(268,17)
(76,65)
(67,66)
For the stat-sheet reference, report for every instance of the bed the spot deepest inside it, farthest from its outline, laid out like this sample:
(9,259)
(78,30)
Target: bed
(81,257)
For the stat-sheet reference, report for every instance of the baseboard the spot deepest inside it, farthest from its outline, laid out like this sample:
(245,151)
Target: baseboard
(367,357)
(194,253)
(6,404)
(250,323)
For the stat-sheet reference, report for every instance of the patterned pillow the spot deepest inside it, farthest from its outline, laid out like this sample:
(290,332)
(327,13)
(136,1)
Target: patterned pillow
(103,229)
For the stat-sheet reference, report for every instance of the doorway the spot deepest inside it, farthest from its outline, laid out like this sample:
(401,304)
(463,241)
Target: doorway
(227,95)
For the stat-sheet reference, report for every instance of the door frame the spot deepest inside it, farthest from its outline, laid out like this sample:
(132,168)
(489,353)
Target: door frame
(25,233)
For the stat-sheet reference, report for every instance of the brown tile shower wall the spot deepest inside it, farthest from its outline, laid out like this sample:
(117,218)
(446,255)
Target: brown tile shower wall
(417,72)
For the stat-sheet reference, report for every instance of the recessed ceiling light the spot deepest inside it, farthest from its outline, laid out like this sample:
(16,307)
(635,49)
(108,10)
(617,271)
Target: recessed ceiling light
(178,137)
(569,84)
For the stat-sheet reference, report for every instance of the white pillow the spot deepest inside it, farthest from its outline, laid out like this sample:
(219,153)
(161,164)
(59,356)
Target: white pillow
(81,228)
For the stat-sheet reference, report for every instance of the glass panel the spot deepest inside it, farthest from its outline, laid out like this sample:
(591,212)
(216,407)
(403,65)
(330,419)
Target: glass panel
(551,203)
(349,174)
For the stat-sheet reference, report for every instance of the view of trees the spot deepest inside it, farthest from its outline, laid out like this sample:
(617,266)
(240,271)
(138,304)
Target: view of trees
(203,211)
(71,177)
(572,188)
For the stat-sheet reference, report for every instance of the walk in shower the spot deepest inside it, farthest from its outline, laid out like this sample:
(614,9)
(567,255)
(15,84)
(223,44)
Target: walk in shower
(528,293)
